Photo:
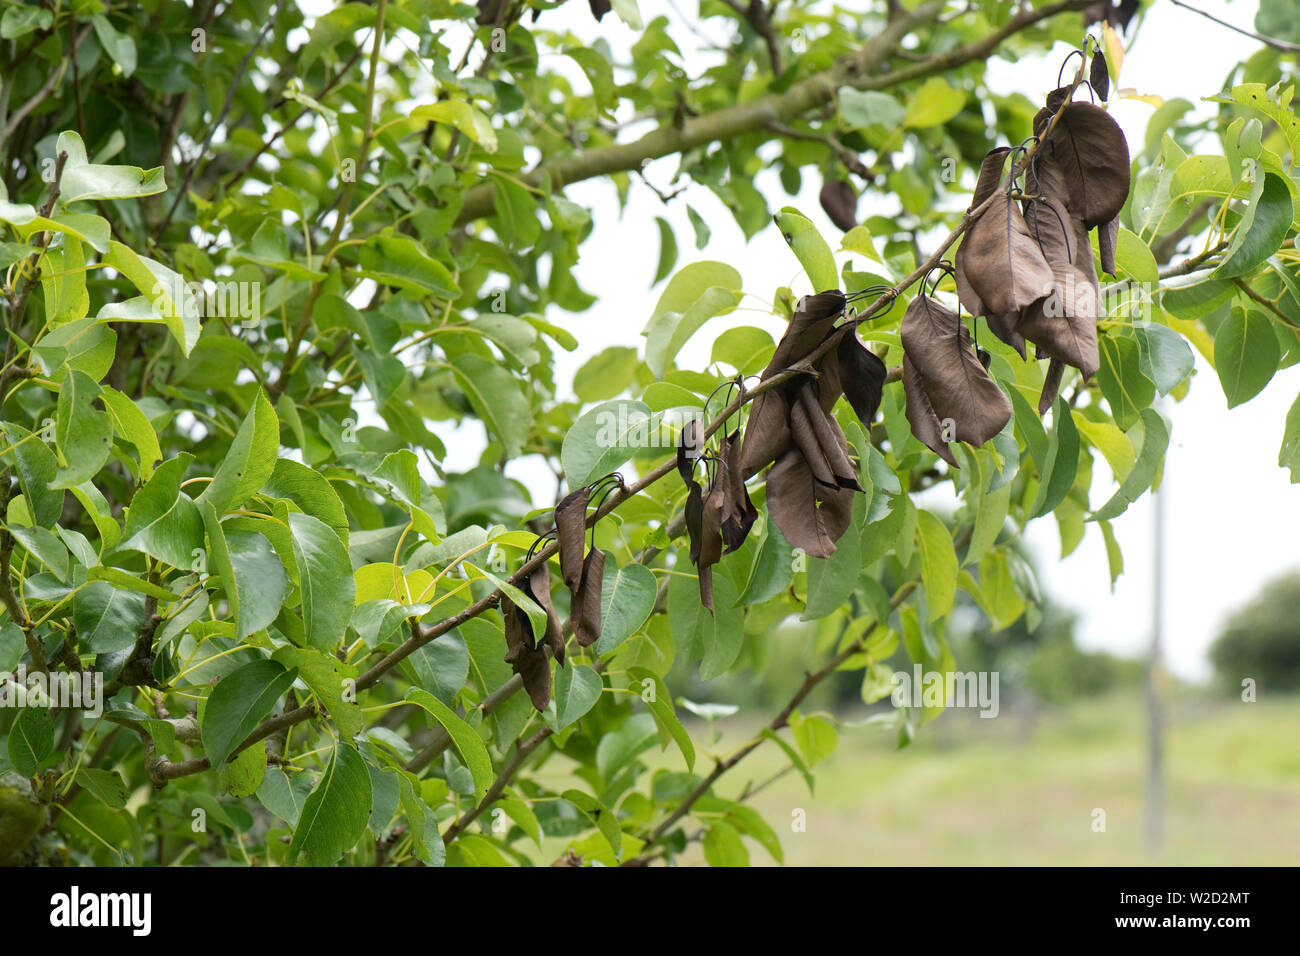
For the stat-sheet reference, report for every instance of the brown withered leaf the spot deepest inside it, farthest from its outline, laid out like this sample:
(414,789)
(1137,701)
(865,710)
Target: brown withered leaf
(957,385)
(1099,76)
(1001,324)
(690,445)
(831,441)
(600,7)
(586,623)
(1063,324)
(921,416)
(1004,326)
(711,540)
(990,177)
(525,656)
(805,442)
(538,587)
(767,433)
(813,318)
(811,518)
(1093,156)
(488,11)
(1107,240)
(1001,260)
(738,513)
(1047,214)
(695,518)
(862,377)
(1055,100)
(840,203)
(1051,385)
(570,532)
(1117,14)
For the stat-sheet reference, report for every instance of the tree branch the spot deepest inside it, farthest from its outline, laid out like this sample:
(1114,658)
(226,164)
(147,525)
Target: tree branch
(753,117)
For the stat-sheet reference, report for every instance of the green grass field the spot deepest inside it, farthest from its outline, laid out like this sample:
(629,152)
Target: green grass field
(1016,790)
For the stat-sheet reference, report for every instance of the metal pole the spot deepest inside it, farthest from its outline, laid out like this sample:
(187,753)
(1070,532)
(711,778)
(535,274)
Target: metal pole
(1155,678)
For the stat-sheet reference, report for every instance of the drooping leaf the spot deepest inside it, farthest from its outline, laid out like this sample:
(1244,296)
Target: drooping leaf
(240,701)
(959,389)
(1093,155)
(587,600)
(334,815)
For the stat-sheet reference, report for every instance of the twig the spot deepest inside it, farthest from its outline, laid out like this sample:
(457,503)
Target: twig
(221,117)
(1275,43)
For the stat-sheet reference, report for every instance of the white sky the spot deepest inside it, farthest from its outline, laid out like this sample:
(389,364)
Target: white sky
(1232,516)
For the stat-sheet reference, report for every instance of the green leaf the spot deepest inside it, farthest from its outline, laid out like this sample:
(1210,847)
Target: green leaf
(121,49)
(689,284)
(1056,477)
(772,570)
(577,688)
(667,250)
(1133,258)
(283,797)
(1126,389)
(716,637)
(402,262)
(1163,355)
(36,467)
(1150,436)
(861,109)
(107,619)
(815,736)
(176,305)
(745,348)
(335,814)
(310,491)
(1246,353)
(250,460)
(1264,223)
(466,739)
(31,739)
(627,598)
(606,374)
(831,581)
(331,680)
(809,248)
(325,580)
(133,425)
(671,331)
(22,19)
(83,435)
(605,820)
(605,437)
(46,547)
(239,703)
(1289,455)
(938,564)
(934,103)
(723,846)
(991,510)
(796,760)
(460,114)
(516,208)
(163,521)
(655,695)
(250,571)
(496,398)
(104,785)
